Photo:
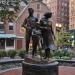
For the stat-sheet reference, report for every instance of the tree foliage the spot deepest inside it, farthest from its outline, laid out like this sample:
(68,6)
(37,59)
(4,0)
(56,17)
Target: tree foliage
(4,12)
(64,39)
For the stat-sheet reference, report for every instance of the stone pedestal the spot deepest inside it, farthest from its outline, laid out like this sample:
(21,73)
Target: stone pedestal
(34,66)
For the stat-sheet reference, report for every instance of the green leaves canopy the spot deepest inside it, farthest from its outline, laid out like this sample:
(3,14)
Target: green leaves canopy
(64,39)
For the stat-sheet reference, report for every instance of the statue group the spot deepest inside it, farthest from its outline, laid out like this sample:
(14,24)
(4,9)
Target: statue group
(39,30)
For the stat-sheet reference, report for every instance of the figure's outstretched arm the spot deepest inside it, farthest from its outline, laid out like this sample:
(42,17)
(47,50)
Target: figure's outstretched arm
(24,23)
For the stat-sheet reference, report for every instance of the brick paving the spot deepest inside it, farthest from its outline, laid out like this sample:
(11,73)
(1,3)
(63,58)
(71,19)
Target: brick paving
(65,70)
(17,71)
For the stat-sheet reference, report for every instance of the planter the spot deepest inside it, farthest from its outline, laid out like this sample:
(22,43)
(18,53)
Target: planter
(35,67)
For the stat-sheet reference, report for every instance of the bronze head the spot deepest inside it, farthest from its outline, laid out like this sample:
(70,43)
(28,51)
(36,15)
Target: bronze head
(48,15)
(31,11)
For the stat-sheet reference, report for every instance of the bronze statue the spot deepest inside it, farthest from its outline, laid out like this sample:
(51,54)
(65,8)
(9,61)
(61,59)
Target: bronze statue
(36,33)
(47,33)
(30,23)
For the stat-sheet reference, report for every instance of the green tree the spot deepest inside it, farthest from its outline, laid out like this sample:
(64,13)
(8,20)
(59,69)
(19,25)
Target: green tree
(66,39)
(63,39)
(5,14)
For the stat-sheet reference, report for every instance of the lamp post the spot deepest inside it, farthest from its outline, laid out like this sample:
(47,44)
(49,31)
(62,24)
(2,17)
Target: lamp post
(72,40)
(58,30)
(58,26)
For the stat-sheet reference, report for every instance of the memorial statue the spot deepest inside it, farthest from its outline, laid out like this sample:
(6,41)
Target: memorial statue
(47,33)
(35,66)
(30,23)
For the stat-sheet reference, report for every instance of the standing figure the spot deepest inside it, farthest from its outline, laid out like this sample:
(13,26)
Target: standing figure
(29,23)
(47,33)
(36,39)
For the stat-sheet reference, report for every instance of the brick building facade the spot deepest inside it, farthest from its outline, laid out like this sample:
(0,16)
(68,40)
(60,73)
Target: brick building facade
(60,10)
(13,36)
(9,38)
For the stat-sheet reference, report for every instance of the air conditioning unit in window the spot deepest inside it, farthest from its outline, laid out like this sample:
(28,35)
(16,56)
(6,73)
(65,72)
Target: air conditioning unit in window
(11,9)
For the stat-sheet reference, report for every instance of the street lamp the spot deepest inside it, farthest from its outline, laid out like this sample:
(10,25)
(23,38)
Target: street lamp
(58,29)
(72,40)
(58,25)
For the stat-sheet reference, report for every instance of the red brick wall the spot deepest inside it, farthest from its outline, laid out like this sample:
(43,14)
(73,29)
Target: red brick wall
(12,72)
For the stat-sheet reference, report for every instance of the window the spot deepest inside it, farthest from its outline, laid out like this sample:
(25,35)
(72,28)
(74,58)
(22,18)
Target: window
(62,14)
(2,43)
(10,27)
(64,4)
(9,42)
(38,6)
(1,27)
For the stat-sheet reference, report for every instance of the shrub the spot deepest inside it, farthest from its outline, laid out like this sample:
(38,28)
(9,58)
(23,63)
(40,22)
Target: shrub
(58,53)
(3,53)
(63,53)
(12,53)
(22,53)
